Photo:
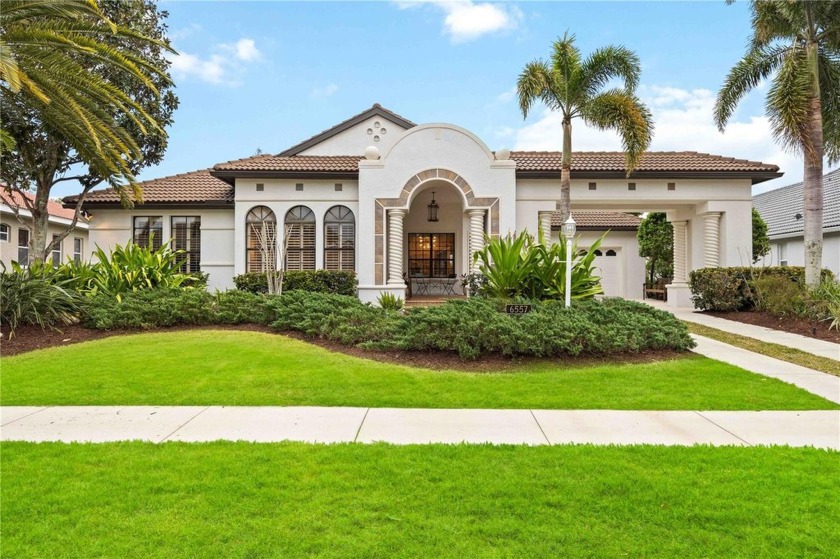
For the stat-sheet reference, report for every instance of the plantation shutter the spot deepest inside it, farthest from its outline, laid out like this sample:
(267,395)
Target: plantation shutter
(339,239)
(260,240)
(300,244)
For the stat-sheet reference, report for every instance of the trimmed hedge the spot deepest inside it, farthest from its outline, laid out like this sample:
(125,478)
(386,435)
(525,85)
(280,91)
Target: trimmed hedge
(477,326)
(315,281)
(154,308)
(730,289)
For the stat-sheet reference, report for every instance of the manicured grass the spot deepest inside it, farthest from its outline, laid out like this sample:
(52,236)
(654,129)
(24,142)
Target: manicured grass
(206,367)
(296,500)
(789,354)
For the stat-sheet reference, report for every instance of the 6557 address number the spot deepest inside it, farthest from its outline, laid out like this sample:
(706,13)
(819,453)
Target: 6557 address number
(517,309)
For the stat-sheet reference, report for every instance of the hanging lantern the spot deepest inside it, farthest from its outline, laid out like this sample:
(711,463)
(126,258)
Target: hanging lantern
(433,209)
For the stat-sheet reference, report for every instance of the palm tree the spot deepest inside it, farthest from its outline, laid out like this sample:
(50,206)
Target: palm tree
(797,45)
(576,88)
(49,53)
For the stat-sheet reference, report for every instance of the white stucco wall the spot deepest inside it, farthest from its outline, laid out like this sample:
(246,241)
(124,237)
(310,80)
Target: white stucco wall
(353,141)
(114,226)
(792,250)
(9,248)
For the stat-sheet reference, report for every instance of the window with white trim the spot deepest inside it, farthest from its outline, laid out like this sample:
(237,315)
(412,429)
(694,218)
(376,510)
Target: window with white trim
(186,236)
(148,229)
(340,239)
(78,248)
(56,251)
(260,240)
(4,232)
(300,244)
(23,246)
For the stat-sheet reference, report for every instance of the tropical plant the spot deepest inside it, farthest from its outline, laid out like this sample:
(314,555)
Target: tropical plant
(795,45)
(389,302)
(519,266)
(133,267)
(83,87)
(576,88)
(760,240)
(656,244)
(32,296)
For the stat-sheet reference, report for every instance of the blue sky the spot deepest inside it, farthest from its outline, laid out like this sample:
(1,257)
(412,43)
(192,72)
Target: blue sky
(270,74)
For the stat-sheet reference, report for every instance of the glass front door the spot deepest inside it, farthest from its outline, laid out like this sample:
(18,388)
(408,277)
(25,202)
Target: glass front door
(431,255)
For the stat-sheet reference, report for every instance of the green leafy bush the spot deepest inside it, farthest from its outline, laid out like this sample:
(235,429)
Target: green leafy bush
(729,289)
(162,307)
(478,326)
(316,281)
(390,302)
(33,296)
(520,266)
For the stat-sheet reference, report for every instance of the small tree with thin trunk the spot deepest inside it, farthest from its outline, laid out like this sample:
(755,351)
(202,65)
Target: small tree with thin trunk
(576,87)
(760,240)
(656,244)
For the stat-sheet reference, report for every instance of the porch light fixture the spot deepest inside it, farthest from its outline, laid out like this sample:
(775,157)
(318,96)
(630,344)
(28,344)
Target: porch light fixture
(568,230)
(433,209)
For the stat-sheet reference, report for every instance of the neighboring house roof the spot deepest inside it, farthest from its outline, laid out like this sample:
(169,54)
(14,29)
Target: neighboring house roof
(609,164)
(375,110)
(780,207)
(13,199)
(594,220)
(197,187)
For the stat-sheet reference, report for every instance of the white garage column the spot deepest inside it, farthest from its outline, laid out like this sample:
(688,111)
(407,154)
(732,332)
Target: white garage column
(678,292)
(395,246)
(545,225)
(711,240)
(476,236)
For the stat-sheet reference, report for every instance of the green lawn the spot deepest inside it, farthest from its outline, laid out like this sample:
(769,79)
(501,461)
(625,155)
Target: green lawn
(222,367)
(295,500)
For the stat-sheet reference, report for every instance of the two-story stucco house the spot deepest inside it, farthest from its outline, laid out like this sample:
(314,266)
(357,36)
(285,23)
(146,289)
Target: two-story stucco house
(362,194)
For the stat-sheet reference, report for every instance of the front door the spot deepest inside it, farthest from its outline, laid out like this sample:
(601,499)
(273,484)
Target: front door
(431,255)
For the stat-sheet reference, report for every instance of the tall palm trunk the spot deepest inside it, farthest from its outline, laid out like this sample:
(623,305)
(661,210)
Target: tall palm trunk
(566,170)
(813,181)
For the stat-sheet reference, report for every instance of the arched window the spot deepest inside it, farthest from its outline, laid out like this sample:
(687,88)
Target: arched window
(300,241)
(260,240)
(340,239)
(611,252)
(4,232)
(598,253)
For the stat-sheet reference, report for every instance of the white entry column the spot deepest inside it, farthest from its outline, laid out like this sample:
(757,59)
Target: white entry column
(678,291)
(544,219)
(711,240)
(395,246)
(476,235)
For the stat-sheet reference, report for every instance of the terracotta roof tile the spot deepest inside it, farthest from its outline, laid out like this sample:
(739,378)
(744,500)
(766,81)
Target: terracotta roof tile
(662,161)
(595,219)
(15,198)
(302,163)
(197,186)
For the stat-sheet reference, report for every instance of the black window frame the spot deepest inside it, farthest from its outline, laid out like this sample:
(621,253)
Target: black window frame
(155,233)
(191,262)
(23,246)
(5,231)
(422,261)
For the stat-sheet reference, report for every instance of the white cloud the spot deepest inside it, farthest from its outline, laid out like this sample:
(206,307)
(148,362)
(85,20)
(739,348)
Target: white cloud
(222,67)
(465,20)
(683,123)
(322,92)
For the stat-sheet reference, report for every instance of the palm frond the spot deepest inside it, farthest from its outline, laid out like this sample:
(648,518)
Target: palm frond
(609,63)
(788,100)
(830,99)
(757,65)
(535,83)
(623,112)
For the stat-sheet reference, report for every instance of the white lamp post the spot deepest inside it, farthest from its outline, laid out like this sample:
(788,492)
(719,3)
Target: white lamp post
(568,231)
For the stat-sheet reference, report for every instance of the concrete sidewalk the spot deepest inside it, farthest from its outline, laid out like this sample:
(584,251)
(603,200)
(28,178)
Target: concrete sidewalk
(816,382)
(420,426)
(813,346)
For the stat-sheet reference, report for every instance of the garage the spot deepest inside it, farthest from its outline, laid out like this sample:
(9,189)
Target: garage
(607,266)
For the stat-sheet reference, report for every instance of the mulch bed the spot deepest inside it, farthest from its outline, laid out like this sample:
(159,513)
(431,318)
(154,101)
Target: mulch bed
(31,338)
(810,328)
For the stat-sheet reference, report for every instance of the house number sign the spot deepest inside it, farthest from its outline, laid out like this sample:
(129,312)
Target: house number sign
(517,309)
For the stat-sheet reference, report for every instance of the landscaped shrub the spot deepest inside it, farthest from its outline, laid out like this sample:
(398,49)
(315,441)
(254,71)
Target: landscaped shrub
(335,317)
(33,296)
(521,266)
(315,281)
(728,289)
(478,326)
(153,308)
